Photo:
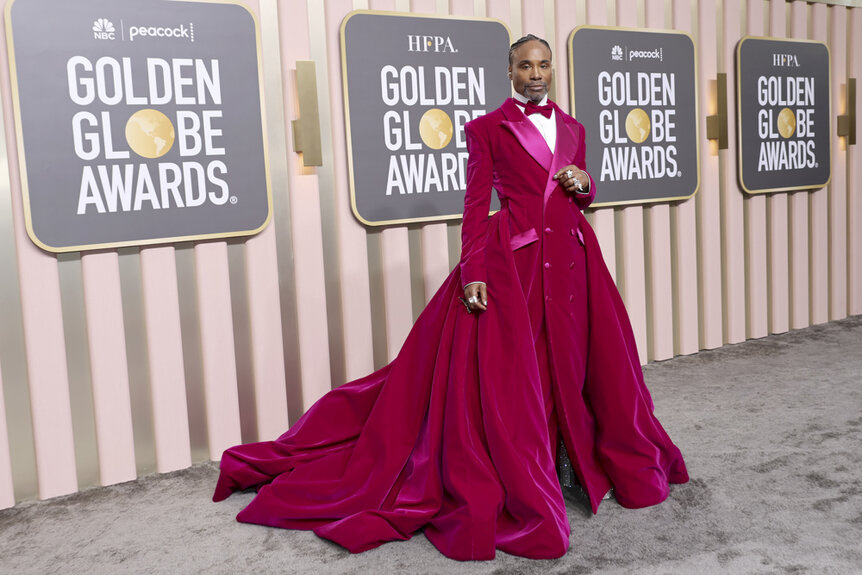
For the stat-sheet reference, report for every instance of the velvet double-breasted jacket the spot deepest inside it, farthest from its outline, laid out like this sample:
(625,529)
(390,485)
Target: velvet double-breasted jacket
(564,292)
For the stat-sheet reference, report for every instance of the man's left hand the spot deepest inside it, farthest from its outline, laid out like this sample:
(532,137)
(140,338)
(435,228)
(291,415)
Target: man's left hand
(569,178)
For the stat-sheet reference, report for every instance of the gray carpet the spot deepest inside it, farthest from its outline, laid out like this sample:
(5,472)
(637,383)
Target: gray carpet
(771,430)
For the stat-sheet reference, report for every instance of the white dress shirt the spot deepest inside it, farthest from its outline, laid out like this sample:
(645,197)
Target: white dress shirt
(546,126)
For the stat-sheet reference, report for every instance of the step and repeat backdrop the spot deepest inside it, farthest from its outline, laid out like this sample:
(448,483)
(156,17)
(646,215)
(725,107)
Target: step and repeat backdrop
(176,280)
(156,127)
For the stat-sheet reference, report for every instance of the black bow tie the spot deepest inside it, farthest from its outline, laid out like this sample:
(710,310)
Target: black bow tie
(532,108)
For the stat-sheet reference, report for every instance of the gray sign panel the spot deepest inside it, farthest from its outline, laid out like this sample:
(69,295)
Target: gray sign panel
(139,121)
(635,93)
(783,113)
(410,84)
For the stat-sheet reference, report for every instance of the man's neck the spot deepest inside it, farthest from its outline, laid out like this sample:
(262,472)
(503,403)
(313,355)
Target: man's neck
(523,99)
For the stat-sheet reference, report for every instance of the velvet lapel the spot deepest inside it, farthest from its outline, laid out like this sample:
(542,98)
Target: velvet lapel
(527,134)
(566,147)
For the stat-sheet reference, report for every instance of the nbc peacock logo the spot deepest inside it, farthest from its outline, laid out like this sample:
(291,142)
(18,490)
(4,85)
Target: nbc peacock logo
(103,29)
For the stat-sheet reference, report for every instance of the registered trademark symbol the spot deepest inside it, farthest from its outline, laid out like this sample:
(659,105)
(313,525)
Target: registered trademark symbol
(817,164)
(233,199)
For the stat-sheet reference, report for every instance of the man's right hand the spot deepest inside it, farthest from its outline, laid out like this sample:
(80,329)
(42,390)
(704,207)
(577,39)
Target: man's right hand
(479,292)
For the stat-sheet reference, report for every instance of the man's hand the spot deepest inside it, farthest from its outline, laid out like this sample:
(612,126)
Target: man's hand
(476,295)
(578,182)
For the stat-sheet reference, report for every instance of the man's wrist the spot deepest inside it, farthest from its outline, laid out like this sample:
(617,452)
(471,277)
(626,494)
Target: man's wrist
(584,190)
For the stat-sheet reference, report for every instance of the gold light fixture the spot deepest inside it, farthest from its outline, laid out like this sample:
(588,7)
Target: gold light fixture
(306,129)
(847,121)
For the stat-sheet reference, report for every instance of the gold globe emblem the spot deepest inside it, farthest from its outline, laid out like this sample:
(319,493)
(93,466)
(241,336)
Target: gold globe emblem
(150,133)
(637,126)
(786,123)
(435,129)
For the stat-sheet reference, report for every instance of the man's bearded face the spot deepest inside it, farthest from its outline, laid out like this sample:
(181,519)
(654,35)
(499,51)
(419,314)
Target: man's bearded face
(530,70)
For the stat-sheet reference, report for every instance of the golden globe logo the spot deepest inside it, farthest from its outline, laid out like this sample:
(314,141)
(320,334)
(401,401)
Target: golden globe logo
(643,145)
(111,179)
(416,165)
(785,121)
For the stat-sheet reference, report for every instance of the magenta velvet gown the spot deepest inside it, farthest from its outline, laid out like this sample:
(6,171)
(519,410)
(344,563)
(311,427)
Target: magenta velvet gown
(457,436)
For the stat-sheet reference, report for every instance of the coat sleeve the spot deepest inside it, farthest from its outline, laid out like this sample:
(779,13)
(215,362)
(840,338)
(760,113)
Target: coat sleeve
(477,204)
(583,200)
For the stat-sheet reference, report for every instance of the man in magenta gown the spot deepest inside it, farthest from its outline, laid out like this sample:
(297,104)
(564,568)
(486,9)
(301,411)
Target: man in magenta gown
(458,435)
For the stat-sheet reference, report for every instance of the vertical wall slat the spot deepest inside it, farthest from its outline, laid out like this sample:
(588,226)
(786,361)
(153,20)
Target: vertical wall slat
(500,9)
(7,487)
(818,211)
(732,210)
(137,357)
(602,220)
(305,224)
(17,425)
(854,183)
(658,268)
(683,221)
(167,372)
(514,18)
(265,326)
(659,277)
(837,189)
(629,226)
(108,367)
(777,219)
(434,238)
(709,197)
(395,267)
(755,223)
(319,38)
(565,21)
(352,252)
(78,368)
(190,331)
(283,248)
(43,337)
(532,18)
(218,355)
(243,344)
(800,315)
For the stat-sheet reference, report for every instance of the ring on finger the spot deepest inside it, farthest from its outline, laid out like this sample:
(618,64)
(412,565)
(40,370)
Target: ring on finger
(473,299)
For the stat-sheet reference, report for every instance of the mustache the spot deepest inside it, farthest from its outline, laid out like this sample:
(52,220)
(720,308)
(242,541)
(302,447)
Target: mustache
(526,89)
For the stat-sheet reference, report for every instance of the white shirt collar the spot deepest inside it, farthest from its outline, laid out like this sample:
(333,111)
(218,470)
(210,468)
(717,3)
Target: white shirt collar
(523,99)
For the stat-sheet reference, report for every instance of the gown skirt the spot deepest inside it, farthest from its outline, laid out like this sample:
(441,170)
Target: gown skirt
(458,435)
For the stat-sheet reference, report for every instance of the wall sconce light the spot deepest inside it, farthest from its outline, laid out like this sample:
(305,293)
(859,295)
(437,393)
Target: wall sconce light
(847,121)
(716,126)
(306,129)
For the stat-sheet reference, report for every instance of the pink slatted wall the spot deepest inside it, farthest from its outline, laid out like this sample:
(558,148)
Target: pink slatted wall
(124,362)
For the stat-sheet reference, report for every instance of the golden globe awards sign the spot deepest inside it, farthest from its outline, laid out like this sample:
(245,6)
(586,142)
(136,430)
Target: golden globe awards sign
(139,121)
(634,92)
(410,85)
(783,114)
